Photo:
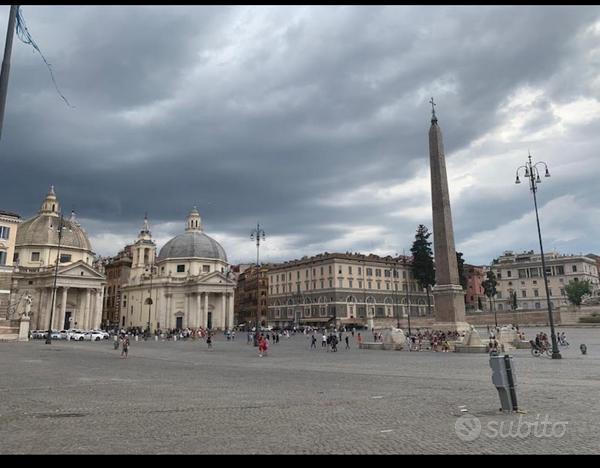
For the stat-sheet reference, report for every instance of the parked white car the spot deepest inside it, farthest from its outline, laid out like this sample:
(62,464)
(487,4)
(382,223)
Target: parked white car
(93,336)
(104,334)
(78,335)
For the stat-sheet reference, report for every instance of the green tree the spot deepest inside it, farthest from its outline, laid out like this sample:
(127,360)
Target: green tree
(576,290)
(489,286)
(460,261)
(422,261)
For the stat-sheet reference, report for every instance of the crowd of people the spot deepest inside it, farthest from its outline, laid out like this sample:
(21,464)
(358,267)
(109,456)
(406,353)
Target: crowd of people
(330,338)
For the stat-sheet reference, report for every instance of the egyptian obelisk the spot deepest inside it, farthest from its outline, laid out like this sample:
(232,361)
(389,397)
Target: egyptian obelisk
(447,292)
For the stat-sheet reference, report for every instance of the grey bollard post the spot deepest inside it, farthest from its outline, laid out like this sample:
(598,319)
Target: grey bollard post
(504,380)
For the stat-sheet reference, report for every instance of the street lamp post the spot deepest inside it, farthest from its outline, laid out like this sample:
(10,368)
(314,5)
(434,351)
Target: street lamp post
(259,234)
(150,299)
(59,229)
(531,171)
(404,262)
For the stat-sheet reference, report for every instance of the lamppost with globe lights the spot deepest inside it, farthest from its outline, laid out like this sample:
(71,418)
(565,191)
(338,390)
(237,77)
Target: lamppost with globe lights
(59,229)
(259,235)
(531,171)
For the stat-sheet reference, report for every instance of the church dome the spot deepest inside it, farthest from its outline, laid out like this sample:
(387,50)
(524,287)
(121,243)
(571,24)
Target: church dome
(42,230)
(192,244)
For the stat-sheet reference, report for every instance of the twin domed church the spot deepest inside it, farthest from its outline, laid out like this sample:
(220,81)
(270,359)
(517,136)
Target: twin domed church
(186,285)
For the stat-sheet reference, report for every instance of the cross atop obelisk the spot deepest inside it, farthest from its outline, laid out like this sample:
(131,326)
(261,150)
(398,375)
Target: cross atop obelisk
(447,292)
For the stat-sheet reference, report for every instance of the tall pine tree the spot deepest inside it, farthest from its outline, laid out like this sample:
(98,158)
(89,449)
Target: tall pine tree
(422,259)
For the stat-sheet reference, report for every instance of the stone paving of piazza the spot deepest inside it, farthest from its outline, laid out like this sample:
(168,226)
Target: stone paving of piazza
(180,397)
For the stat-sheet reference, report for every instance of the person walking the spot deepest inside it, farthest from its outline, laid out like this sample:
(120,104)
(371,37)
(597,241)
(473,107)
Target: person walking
(313,342)
(347,342)
(209,340)
(125,346)
(359,339)
(324,340)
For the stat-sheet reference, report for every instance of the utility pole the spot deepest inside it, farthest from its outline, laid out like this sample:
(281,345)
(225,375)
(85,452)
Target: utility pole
(12,18)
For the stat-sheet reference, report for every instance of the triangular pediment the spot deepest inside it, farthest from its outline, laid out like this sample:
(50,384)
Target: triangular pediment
(216,277)
(79,269)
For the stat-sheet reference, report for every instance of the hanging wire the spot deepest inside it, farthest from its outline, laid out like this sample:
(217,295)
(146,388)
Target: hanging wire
(25,37)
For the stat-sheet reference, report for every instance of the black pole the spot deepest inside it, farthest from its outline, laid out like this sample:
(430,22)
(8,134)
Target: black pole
(10,32)
(60,228)
(555,352)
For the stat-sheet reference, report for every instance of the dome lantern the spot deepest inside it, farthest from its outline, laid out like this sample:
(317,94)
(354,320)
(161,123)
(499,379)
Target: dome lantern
(193,222)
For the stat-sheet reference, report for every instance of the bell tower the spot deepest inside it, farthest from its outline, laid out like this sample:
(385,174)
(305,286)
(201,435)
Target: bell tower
(193,223)
(144,248)
(50,204)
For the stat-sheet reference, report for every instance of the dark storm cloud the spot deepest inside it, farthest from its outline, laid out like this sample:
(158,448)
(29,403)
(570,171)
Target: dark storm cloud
(271,113)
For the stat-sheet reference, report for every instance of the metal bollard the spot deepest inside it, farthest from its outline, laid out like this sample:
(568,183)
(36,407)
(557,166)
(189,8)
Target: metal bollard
(505,381)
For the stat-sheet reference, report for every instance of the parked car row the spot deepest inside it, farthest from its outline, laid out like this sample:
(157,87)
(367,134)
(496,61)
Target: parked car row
(73,334)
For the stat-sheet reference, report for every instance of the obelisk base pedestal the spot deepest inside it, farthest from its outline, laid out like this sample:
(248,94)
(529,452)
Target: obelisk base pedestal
(450,308)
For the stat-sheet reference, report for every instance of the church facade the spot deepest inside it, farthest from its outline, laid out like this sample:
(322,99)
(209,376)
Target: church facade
(187,285)
(77,297)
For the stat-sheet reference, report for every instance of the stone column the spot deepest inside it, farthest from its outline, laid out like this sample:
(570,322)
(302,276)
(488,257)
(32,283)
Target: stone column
(448,293)
(168,312)
(86,310)
(42,322)
(222,312)
(230,311)
(205,310)
(199,310)
(63,306)
(97,317)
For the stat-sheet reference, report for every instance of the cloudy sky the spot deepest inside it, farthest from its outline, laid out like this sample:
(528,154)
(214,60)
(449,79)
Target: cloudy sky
(312,120)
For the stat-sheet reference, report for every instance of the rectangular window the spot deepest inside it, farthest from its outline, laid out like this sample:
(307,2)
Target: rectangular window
(534,272)
(378,272)
(359,270)
(369,272)
(340,270)
(4,232)
(369,285)
(2,257)
(340,282)
(387,285)
(508,273)
(331,283)
(574,268)
(560,270)
(329,269)
(523,293)
(537,305)
(277,288)
(536,293)
(522,273)
(387,273)
(349,283)
(205,268)
(65,258)
(180,268)
(35,256)
(378,284)
(349,270)
(322,284)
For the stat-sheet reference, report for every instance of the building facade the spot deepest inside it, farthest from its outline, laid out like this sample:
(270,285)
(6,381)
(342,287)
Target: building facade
(343,289)
(9,223)
(117,270)
(186,286)
(251,292)
(77,298)
(521,275)
(475,298)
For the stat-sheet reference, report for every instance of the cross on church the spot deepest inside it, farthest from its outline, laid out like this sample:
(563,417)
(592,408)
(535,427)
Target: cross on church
(432,107)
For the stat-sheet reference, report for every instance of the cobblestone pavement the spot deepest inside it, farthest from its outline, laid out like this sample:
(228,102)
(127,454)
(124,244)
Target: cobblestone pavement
(180,397)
